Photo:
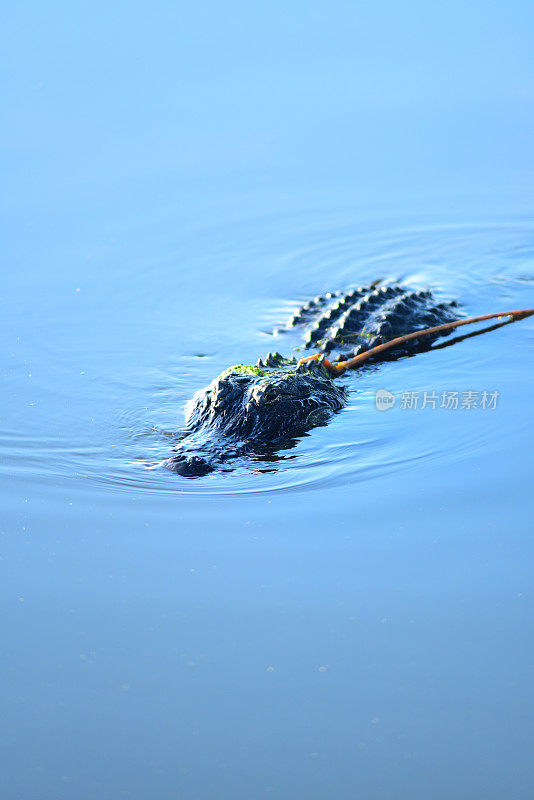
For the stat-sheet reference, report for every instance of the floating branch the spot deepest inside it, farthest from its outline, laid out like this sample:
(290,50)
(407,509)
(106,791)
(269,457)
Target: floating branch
(351,363)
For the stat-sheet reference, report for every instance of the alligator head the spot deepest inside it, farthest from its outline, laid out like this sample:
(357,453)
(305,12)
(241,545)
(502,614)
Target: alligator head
(247,408)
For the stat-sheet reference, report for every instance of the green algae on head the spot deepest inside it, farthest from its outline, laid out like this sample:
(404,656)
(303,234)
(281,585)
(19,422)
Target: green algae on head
(279,368)
(245,369)
(261,368)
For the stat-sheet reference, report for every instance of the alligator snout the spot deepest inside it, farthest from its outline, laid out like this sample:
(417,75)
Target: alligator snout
(189,466)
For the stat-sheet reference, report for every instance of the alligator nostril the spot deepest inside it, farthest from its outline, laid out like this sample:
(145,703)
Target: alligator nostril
(190,467)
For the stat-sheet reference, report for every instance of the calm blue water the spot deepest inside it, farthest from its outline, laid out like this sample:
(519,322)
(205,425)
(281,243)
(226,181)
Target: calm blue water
(355,617)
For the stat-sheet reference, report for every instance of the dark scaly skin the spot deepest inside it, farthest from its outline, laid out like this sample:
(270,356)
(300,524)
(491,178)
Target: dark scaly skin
(248,409)
(240,413)
(363,318)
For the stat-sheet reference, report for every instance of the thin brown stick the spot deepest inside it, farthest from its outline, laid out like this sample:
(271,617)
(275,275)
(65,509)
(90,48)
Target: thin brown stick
(351,363)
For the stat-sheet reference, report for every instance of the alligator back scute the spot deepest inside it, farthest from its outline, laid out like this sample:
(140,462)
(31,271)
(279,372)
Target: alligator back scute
(362,320)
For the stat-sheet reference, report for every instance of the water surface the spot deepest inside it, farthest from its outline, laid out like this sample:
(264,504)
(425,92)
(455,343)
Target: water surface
(350,619)
(352,616)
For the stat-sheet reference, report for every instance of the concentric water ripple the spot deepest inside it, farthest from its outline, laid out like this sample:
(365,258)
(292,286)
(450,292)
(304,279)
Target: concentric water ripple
(212,304)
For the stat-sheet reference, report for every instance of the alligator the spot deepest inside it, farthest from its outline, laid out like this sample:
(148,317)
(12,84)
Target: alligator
(257,409)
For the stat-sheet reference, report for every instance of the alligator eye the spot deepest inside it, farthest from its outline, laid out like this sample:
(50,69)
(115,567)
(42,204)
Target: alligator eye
(269,395)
